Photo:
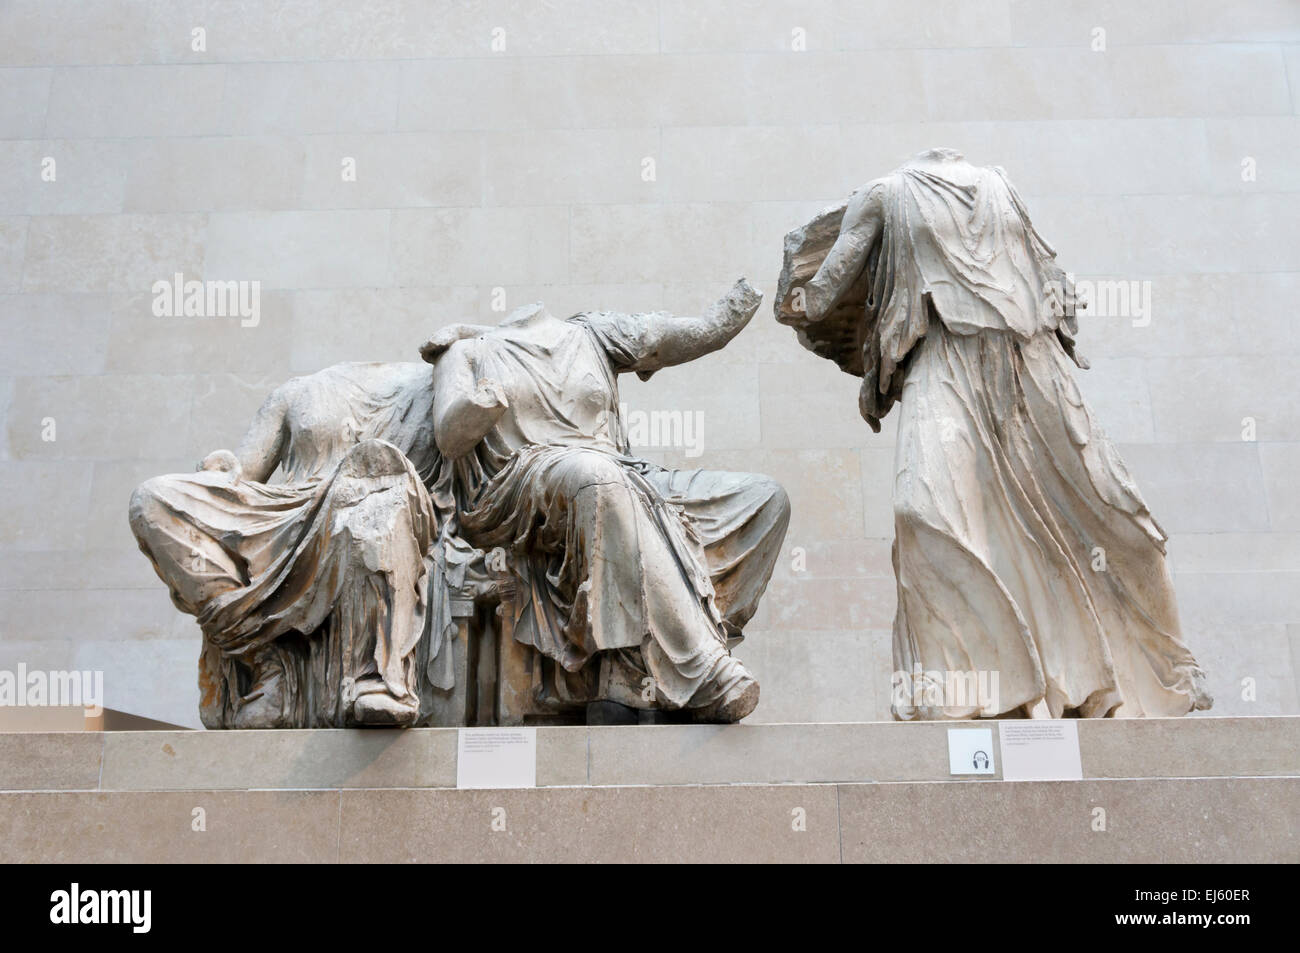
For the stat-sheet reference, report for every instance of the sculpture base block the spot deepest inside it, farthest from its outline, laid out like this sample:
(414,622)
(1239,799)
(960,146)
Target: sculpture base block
(1161,790)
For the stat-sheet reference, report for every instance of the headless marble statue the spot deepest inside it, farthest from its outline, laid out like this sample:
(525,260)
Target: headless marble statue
(324,598)
(1023,549)
(312,593)
(651,571)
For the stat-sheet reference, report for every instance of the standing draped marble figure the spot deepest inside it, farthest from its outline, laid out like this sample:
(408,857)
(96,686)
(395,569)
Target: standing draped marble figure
(1022,546)
(632,579)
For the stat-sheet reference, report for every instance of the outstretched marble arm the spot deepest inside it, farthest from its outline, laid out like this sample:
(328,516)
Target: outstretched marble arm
(848,256)
(668,339)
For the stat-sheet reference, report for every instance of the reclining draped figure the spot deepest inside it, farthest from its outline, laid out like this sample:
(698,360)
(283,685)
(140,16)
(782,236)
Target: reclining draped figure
(324,599)
(1022,546)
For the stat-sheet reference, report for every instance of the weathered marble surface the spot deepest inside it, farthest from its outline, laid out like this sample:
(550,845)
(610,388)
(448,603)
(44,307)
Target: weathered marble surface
(1024,553)
(628,580)
(501,476)
(316,593)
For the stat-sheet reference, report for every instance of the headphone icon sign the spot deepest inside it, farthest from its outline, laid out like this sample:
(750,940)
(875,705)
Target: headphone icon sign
(981,760)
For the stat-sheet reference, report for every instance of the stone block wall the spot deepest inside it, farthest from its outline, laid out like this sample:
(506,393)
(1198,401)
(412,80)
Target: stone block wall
(632,155)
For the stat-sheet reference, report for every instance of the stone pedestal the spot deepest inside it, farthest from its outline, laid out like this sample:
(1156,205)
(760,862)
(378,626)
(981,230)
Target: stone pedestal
(1170,790)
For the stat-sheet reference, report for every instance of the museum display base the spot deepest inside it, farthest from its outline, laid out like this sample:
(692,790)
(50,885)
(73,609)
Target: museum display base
(1160,790)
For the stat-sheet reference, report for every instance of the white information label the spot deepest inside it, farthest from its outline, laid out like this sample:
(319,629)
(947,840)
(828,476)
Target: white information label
(970,751)
(1035,750)
(497,758)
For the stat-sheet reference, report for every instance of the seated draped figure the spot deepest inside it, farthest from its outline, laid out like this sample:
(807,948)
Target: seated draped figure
(324,598)
(313,593)
(649,572)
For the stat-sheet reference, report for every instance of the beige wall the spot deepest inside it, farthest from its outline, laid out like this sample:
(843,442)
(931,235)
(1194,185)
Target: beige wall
(522,170)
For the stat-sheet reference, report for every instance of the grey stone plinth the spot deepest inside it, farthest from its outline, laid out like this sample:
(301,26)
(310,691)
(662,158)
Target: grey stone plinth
(1175,790)
(612,756)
